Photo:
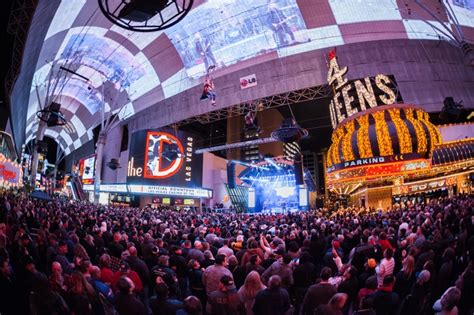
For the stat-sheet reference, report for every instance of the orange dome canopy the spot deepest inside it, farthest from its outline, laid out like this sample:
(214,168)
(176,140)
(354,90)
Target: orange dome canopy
(383,131)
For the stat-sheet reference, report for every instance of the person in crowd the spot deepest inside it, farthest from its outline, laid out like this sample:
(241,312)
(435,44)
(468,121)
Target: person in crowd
(45,301)
(370,287)
(178,263)
(62,259)
(365,307)
(192,306)
(386,266)
(405,277)
(334,306)
(196,286)
(139,266)
(106,274)
(226,299)
(56,278)
(447,304)
(247,293)
(418,299)
(81,297)
(125,271)
(385,301)
(272,300)
(167,275)
(281,268)
(83,250)
(213,274)
(196,252)
(7,287)
(318,294)
(368,271)
(225,249)
(126,302)
(161,303)
(349,285)
(99,286)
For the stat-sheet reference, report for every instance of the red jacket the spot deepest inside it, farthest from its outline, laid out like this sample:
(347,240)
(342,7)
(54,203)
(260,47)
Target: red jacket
(106,275)
(384,244)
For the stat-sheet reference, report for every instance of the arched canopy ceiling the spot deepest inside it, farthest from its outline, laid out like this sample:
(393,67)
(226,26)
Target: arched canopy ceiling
(131,71)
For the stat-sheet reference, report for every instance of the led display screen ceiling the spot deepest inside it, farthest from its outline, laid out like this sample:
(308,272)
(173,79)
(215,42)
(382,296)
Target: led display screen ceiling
(222,33)
(127,72)
(164,157)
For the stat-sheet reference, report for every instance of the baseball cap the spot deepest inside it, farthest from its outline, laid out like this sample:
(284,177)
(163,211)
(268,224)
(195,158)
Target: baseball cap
(371,263)
(227,281)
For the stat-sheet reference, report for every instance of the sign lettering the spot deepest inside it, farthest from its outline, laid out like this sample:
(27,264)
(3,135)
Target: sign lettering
(351,97)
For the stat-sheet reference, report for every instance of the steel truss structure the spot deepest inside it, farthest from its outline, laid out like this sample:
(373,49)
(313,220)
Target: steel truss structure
(283,99)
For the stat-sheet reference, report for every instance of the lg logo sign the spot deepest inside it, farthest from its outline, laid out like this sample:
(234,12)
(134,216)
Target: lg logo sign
(248,81)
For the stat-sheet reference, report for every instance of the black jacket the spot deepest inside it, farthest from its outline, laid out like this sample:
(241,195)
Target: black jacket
(272,301)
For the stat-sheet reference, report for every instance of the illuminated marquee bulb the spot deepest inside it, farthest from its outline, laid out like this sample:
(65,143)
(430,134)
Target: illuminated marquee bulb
(363,141)
(404,138)
(381,81)
(420,133)
(346,141)
(348,101)
(336,74)
(365,93)
(383,137)
(337,137)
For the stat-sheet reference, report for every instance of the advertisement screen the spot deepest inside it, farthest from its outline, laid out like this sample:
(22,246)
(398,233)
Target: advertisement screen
(189,202)
(87,170)
(164,158)
(232,31)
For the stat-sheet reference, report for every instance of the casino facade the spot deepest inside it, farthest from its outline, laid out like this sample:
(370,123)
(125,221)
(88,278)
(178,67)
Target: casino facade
(367,79)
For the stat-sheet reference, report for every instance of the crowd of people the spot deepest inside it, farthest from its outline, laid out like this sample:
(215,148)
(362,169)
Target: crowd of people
(66,257)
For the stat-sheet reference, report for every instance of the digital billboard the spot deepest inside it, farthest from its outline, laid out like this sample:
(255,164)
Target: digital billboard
(87,169)
(164,158)
(232,31)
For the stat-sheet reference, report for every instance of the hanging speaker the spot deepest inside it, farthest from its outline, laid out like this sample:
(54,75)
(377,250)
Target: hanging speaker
(231,175)
(298,165)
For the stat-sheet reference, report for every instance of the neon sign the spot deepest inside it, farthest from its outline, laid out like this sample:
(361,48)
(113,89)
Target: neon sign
(351,97)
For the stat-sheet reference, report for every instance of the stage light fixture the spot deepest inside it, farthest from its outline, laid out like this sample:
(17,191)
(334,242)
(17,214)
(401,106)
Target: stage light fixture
(113,164)
(289,131)
(52,115)
(452,110)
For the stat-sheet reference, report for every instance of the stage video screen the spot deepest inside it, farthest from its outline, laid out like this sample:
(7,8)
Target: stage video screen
(466,4)
(164,157)
(232,31)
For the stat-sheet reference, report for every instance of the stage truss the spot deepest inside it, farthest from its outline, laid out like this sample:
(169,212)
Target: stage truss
(283,99)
